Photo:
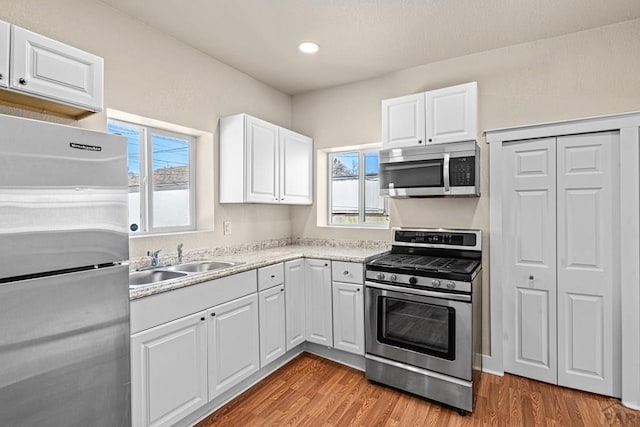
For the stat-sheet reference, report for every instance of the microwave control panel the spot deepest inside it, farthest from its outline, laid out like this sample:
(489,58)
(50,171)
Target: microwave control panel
(462,172)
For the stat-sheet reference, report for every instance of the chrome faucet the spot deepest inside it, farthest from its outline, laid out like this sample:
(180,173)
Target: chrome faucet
(154,257)
(180,245)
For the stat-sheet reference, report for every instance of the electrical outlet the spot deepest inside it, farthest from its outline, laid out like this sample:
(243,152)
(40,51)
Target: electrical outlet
(227,227)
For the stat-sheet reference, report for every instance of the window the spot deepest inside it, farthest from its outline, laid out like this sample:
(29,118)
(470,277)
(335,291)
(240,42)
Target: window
(354,190)
(161,178)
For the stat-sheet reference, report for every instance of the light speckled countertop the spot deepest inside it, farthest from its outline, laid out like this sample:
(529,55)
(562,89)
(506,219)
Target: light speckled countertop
(260,258)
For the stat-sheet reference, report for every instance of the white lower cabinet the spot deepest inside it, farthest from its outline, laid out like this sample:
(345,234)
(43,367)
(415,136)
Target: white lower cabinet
(295,302)
(348,317)
(272,324)
(319,318)
(233,343)
(168,371)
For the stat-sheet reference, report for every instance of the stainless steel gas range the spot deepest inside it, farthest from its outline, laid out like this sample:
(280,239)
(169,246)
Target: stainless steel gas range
(423,315)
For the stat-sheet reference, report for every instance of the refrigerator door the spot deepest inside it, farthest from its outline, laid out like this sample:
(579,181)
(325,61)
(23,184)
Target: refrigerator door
(63,197)
(64,350)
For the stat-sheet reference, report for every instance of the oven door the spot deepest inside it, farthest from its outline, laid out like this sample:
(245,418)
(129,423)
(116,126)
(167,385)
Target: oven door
(430,330)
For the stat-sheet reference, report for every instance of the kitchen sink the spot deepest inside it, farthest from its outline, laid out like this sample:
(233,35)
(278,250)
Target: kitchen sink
(140,279)
(202,266)
(146,278)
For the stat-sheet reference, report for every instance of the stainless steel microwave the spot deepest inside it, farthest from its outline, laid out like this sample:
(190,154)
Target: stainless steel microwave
(451,169)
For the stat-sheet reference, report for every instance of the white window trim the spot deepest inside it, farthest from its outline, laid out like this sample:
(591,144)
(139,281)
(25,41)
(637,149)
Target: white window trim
(146,171)
(361,193)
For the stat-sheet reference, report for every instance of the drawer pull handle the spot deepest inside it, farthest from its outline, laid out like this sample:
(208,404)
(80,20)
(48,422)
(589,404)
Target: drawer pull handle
(202,318)
(273,276)
(346,272)
(213,315)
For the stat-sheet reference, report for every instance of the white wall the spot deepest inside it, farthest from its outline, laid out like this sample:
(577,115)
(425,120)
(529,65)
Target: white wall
(152,75)
(583,74)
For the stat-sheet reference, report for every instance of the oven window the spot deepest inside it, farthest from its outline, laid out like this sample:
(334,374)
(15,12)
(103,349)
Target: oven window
(425,328)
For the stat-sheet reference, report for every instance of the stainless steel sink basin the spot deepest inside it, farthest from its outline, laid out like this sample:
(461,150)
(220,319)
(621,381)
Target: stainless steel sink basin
(202,266)
(145,278)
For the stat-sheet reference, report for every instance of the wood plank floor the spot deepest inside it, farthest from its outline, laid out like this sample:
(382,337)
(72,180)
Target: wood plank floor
(312,391)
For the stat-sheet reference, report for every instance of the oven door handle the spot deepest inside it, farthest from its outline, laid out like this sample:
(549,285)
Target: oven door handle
(414,291)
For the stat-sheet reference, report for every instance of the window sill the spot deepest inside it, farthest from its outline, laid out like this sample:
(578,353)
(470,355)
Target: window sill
(356,227)
(169,233)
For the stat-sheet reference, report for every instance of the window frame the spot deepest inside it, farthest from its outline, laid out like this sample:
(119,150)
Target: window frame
(146,178)
(361,191)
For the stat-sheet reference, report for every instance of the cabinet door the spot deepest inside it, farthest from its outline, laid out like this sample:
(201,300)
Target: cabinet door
(295,302)
(403,121)
(168,371)
(5,38)
(296,153)
(318,295)
(47,68)
(348,317)
(272,325)
(589,263)
(529,301)
(233,343)
(262,161)
(452,114)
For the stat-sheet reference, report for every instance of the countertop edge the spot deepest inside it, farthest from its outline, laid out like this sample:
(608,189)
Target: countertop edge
(265,259)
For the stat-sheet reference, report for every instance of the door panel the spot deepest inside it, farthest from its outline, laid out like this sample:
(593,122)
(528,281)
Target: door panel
(533,331)
(403,121)
(48,68)
(272,324)
(588,263)
(296,154)
(234,352)
(319,321)
(530,230)
(262,161)
(169,366)
(295,302)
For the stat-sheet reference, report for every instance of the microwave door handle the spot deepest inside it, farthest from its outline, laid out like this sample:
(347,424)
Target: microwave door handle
(445,172)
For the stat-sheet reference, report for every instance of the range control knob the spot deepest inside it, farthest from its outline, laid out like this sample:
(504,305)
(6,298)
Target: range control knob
(435,283)
(393,278)
(380,276)
(413,280)
(451,285)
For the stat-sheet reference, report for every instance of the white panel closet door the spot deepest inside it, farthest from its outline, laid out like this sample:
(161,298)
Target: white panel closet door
(530,244)
(588,263)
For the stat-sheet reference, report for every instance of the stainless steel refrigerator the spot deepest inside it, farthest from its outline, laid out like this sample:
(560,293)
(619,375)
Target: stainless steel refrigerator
(64,295)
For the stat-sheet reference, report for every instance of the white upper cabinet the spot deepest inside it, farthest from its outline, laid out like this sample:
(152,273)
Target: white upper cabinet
(47,68)
(263,163)
(444,115)
(452,114)
(5,40)
(295,167)
(403,121)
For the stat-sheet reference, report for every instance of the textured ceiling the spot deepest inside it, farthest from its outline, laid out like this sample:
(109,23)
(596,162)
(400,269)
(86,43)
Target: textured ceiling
(360,39)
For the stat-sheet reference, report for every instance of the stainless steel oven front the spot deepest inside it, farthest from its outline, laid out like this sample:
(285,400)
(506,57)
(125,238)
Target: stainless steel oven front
(431,330)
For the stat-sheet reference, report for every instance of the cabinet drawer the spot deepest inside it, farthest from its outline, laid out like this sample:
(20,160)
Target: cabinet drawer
(270,276)
(350,272)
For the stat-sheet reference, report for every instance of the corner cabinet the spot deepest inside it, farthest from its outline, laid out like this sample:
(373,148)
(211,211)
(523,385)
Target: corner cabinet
(439,116)
(43,74)
(263,163)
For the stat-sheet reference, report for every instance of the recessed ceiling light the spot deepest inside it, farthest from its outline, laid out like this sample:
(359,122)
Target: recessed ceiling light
(309,47)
